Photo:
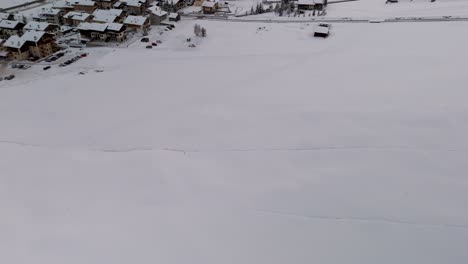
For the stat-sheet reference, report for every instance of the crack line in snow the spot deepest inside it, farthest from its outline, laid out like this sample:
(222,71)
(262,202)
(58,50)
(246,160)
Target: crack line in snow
(362,219)
(207,150)
(18,143)
(312,149)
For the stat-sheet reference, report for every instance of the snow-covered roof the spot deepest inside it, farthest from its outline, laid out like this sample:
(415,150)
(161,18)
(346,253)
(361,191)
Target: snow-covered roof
(208,4)
(65,28)
(49,11)
(156,10)
(100,27)
(173,15)
(9,24)
(14,42)
(81,16)
(115,12)
(135,20)
(309,2)
(320,29)
(114,26)
(104,18)
(62,4)
(18,42)
(117,4)
(84,3)
(135,3)
(33,36)
(33,25)
(4,15)
(92,27)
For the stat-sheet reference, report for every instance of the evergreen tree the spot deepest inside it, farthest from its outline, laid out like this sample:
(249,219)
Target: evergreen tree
(277,8)
(203,32)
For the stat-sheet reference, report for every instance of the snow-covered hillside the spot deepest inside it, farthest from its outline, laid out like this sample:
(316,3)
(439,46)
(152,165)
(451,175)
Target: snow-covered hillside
(258,146)
(10,3)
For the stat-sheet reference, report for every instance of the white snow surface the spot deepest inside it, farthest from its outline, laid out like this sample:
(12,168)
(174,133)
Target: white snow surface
(10,3)
(263,146)
(404,8)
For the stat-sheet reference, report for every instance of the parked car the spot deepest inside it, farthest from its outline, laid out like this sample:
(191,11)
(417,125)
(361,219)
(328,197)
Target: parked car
(154,44)
(192,46)
(149,47)
(145,40)
(84,55)
(11,77)
(46,68)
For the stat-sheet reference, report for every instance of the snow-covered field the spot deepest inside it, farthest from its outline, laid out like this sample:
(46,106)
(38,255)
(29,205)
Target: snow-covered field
(9,3)
(374,9)
(258,146)
(404,8)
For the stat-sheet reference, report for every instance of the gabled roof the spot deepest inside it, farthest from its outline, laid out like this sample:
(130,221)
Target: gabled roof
(4,15)
(14,42)
(29,36)
(84,3)
(135,3)
(98,27)
(173,15)
(40,26)
(209,4)
(118,4)
(93,27)
(105,18)
(33,36)
(156,10)
(115,26)
(49,11)
(135,20)
(62,4)
(115,12)
(65,28)
(9,24)
(81,16)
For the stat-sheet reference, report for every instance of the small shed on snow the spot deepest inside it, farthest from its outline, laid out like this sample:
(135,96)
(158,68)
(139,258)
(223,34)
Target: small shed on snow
(321,31)
(174,17)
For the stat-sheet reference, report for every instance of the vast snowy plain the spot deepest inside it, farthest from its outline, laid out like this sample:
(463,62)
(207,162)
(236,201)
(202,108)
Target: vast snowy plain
(258,146)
